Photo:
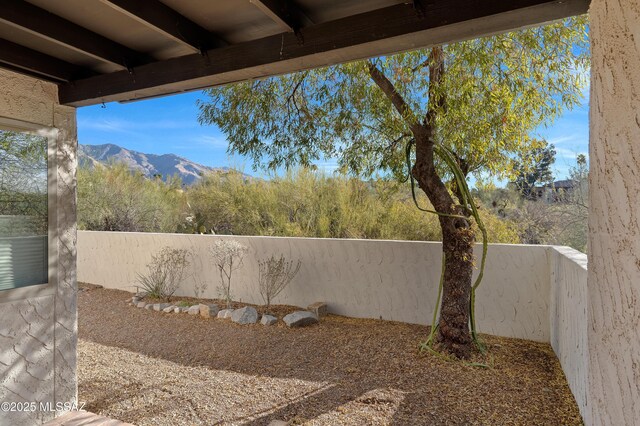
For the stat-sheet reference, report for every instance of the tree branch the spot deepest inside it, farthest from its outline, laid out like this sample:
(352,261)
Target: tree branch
(392,94)
(437,100)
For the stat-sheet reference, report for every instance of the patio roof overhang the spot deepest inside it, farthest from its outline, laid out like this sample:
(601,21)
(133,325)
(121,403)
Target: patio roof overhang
(122,50)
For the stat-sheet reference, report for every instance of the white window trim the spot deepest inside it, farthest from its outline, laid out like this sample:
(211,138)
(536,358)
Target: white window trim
(52,134)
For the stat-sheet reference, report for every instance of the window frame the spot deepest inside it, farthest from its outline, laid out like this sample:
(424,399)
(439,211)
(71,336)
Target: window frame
(51,134)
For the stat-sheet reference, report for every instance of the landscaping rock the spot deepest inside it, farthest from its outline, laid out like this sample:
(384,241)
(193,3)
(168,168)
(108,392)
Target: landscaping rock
(141,304)
(149,306)
(169,309)
(213,310)
(160,306)
(246,315)
(184,309)
(225,314)
(135,300)
(194,310)
(209,311)
(268,320)
(318,308)
(300,319)
(278,423)
(177,310)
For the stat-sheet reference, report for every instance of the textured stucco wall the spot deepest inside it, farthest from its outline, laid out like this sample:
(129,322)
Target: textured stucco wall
(38,329)
(614,216)
(568,319)
(394,280)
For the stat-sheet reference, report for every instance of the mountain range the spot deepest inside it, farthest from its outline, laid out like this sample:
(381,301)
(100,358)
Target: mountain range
(149,164)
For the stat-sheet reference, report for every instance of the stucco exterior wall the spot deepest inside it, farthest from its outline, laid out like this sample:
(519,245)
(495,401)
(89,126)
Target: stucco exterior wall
(568,319)
(39,327)
(393,280)
(614,216)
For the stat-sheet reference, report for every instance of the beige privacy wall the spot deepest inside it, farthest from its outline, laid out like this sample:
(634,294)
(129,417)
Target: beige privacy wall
(614,215)
(568,316)
(38,328)
(392,280)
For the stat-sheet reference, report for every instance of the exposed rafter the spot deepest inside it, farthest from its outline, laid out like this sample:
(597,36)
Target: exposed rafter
(374,33)
(285,13)
(37,64)
(167,21)
(42,23)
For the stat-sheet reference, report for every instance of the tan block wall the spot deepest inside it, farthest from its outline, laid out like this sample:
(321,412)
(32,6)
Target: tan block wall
(392,280)
(39,327)
(614,216)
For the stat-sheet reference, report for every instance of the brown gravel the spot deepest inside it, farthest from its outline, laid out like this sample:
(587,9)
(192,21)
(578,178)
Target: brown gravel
(178,369)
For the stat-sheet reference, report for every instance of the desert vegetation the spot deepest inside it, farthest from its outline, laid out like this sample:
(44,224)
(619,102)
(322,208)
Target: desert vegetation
(299,204)
(305,203)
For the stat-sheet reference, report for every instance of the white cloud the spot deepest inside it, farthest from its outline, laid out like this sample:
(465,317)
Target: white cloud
(562,140)
(569,153)
(218,142)
(130,126)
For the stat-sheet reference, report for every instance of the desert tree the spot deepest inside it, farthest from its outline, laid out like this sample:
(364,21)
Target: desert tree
(534,169)
(440,114)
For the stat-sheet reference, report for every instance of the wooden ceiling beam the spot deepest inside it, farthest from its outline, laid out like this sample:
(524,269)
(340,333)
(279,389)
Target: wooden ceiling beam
(285,13)
(40,65)
(37,21)
(167,21)
(380,32)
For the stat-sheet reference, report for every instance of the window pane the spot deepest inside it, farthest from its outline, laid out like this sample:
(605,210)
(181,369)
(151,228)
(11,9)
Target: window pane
(23,210)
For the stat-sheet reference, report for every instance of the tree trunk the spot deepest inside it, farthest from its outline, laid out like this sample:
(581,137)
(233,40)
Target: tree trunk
(453,333)
(457,236)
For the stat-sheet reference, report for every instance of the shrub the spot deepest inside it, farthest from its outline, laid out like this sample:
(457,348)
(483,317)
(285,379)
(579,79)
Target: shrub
(114,198)
(274,276)
(199,287)
(165,273)
(228,256)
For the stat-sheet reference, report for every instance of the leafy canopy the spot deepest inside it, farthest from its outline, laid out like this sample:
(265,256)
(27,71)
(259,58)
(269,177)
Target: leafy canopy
(533,169)
(498,90)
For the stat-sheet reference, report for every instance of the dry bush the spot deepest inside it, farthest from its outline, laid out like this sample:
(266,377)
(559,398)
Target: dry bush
(275,274)
(228,256)
(165,273)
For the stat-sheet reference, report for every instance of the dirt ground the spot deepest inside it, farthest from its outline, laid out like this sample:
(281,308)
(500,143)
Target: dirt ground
(180,369)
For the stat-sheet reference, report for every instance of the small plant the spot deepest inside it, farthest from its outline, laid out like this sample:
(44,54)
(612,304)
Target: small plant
(228,256)
(274,276)
(199,287)
(165,273)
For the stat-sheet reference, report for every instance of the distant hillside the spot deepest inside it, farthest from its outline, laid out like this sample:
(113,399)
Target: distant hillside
(149,164)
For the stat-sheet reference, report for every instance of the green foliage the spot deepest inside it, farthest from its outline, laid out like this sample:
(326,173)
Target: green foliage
(300,204)
(498,90)
(308,204)
(165,273)
(115,199)
(23,184)
(558,219)
(574,209)
(534,169)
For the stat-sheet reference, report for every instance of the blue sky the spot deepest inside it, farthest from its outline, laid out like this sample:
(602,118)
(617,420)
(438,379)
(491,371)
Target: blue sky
(169,125)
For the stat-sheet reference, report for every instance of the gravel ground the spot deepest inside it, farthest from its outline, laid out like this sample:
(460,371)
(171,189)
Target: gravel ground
(151,368)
